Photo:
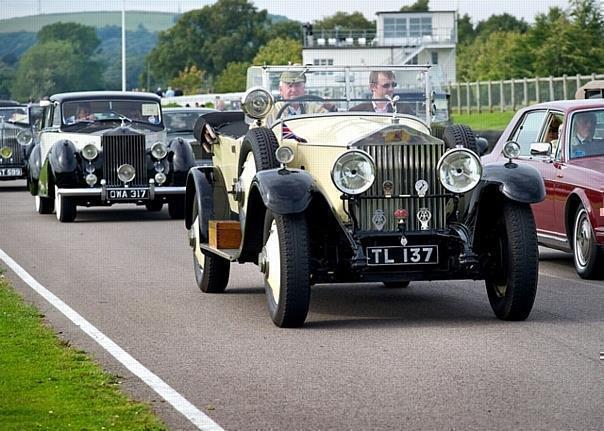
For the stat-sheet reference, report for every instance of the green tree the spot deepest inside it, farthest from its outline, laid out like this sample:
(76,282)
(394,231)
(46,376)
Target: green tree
(7,75)
(233,78)
(190,81)
(82,37)
(279,51)
(418,6)
(344,21)
(210,38)
(465,29)
(568,43)
(504,22)
(53,67)
(500,55)
(287,29)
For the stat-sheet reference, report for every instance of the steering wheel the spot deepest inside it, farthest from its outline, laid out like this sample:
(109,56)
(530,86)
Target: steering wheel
(304,98)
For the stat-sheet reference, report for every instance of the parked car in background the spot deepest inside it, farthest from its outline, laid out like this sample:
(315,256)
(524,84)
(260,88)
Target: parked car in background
(340,196)
(16,140)
(571,218)
(591,90)
(179,125)
(104,148)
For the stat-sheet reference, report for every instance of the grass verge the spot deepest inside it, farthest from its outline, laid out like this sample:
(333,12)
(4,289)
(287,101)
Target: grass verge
(485,121)
(47,385)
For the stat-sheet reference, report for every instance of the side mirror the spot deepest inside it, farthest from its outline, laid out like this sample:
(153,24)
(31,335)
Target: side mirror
(543,149)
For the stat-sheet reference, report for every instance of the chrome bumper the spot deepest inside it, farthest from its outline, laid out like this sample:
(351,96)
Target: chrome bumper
(101,192)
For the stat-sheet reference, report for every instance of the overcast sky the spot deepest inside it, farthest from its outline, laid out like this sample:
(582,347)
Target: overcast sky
(303,10)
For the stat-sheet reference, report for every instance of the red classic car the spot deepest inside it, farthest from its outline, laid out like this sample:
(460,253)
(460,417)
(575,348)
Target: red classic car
(564,140)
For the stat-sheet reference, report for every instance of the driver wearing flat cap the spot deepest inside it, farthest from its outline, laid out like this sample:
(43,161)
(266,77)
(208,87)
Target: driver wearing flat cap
(292,85)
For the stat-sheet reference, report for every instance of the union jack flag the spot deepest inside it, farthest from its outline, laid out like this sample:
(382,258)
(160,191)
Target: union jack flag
(286,133)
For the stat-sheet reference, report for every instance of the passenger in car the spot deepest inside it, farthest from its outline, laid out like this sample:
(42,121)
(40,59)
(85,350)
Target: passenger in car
(381,84)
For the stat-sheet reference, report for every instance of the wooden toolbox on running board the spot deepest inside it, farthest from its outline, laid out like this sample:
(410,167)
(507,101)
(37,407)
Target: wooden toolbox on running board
(224,234)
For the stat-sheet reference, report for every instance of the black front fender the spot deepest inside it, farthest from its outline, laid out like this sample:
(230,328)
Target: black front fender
(205,186)
(183,158)
(520,183)
(62,157)
(284,191)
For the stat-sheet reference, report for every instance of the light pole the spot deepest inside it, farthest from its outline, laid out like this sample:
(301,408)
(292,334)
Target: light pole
(123,45)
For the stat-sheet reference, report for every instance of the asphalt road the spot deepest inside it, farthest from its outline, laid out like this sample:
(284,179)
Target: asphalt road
(432,356)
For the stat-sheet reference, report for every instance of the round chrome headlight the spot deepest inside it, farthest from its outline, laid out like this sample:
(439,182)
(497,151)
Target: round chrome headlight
(284,155)
(257,102)
(159,150)
(24,137)
(6,152)
(126,173)
(511,150)
(353,172)
(89,152)
(459,170)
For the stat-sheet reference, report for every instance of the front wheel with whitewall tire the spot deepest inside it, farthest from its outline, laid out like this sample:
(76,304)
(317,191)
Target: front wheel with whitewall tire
(65,208)
(284,260)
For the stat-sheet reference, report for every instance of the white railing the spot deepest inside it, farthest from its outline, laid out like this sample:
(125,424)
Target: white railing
(510,94)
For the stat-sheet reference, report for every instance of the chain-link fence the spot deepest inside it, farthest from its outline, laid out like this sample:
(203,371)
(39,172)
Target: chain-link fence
(511,94)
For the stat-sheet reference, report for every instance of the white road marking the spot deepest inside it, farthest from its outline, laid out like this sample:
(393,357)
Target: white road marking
(180,403)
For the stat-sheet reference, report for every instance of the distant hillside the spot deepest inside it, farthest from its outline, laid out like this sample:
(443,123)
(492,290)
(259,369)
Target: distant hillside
(152,21)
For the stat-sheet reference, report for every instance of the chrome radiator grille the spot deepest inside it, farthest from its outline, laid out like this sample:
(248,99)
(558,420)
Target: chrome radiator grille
(121,149)
(404,165)
(8,138)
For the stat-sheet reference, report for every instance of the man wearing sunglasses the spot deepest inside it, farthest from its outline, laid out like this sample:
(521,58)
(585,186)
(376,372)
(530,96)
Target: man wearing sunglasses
(382,84)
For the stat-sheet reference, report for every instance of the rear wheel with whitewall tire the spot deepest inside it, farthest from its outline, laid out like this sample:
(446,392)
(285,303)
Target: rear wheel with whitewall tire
(44,205)
(211,271)
(154,206)
(176,207)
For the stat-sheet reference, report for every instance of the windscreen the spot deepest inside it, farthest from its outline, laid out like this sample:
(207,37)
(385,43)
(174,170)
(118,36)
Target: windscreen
(144,112)
(318,89)
(15,114)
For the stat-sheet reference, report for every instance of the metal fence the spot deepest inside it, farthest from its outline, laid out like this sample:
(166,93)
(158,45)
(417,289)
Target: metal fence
(511,94)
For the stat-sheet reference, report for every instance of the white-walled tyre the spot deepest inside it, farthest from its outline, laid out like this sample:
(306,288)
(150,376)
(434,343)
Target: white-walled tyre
(65,208)
(512,282)
(588,257)
(285,263)
(44,205)
(211,271)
